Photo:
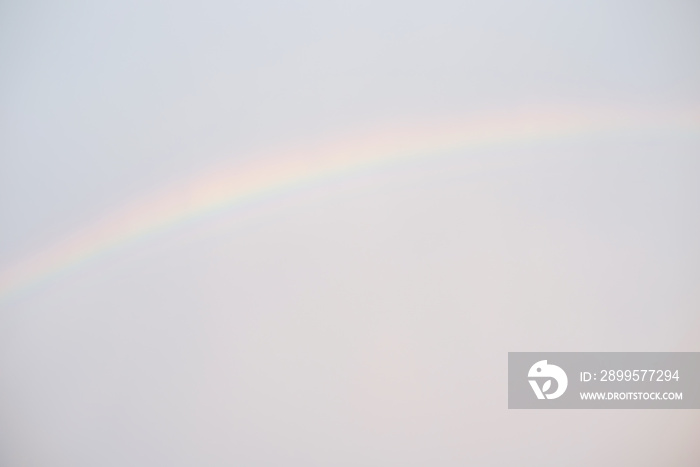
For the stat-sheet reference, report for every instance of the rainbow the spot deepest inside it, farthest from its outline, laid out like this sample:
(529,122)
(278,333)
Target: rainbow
(278,172)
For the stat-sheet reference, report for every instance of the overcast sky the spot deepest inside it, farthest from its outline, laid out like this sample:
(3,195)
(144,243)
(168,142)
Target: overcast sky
(365,320)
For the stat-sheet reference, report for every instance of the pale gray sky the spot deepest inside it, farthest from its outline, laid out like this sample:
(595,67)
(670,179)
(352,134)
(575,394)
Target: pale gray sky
(362,321)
